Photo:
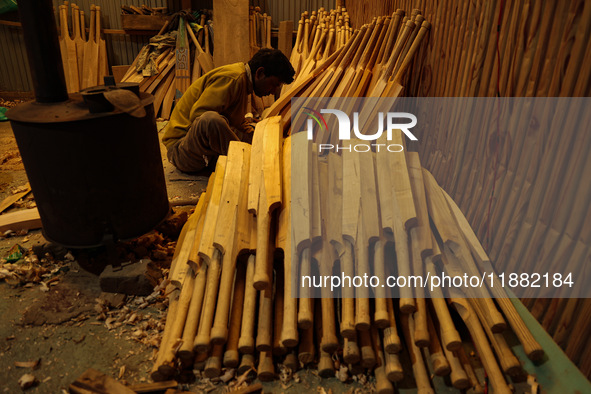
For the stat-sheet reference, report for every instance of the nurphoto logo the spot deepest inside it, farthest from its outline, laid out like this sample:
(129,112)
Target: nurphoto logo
(385,120)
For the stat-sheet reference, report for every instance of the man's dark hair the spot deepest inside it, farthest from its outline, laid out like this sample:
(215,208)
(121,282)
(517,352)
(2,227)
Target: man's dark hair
(275,64)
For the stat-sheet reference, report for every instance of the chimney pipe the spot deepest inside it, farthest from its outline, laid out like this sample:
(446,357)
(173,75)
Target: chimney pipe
(43,51)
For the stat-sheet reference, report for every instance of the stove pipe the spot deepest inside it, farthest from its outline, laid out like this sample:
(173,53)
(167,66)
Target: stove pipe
(43,51)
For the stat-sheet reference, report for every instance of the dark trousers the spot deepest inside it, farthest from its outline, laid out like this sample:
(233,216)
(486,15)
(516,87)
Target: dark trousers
(208,137)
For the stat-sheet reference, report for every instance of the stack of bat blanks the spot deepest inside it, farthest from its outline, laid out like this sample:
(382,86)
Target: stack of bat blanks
(85,60)
(232,276)
(259,227)
(319,34)
(372,63)
(175,67)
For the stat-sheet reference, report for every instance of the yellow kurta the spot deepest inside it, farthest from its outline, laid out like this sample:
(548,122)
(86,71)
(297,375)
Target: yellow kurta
(224,90)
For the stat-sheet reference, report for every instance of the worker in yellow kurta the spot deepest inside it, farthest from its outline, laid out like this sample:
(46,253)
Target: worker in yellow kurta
(211,112)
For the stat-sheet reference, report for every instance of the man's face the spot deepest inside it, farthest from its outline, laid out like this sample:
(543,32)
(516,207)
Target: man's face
(264,85)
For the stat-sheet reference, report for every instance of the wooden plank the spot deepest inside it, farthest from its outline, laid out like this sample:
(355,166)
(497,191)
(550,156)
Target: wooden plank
(143,22)
(296,88)
(162,75)
(205,60)
(182,55)
(300,191)
(226,224)
(79,41)
(231,36)
(28,219)
(141,388)
(93,381)
(8,201)
(194,258)
(91,54)
(457,252)
(103,62)
(272,144)
(168,101)
(206,248)
(351,196)
(161,92)
(254,175)
(119,72)
(68,49)
(401,183)
(269,199)
(423,229)
(285,38)
(229,238)
(179,265)
(531,346)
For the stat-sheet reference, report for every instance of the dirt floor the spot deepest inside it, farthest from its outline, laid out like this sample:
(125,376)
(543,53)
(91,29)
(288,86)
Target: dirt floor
(56,322)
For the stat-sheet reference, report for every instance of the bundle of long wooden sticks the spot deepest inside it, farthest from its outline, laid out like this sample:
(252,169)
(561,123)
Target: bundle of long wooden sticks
(318,36)
(372,63)
(85,60)
(174,67)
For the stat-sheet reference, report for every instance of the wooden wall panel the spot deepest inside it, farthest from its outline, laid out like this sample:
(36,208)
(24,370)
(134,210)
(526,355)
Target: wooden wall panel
(527,195)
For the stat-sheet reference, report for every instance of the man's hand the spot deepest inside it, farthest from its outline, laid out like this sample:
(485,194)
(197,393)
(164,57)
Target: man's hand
(249,123)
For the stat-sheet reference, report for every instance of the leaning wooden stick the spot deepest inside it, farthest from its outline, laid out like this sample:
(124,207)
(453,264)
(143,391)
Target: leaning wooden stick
(351,353)
(213,365)
(231,236)
(510,365)
(456,251)
(418,367)
(301,219)
(392,342)
(278,311)
(479,337)
(325,362)
(269,196)
(306,348)
(246,341)
(103,62)
(264,338)
(289,331)
(360,222)
(438,360)
(532,348)
(155,373)
(459,378)
(420,244)
(326,260)
(211,256)
(367,351)
(79,41)
(394,88)
(205,59)
(231,355)
(383,384)
(185,353)
(166,368)
(68,49)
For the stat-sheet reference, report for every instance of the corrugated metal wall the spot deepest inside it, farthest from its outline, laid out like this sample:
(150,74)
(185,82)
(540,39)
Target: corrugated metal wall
(122,48)
(14,66)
